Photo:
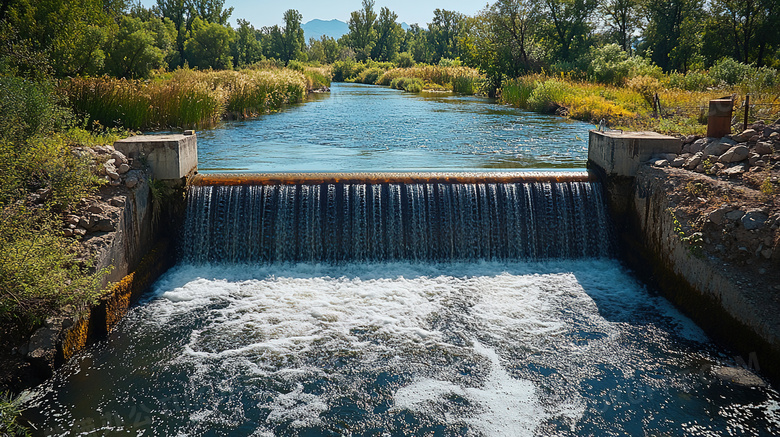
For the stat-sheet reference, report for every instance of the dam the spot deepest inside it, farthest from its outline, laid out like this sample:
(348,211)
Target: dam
(402,303)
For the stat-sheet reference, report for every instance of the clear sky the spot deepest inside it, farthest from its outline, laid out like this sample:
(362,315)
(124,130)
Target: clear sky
(269,12)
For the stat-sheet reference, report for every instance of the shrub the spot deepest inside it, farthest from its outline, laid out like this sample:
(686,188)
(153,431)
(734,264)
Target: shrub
(516,92)
(694,80)
(346,70)
(410,84)
(296,65)
(369,76)
(465,84)
(646,86)
(405,60)
(549,96)
(611,65)
(729,71)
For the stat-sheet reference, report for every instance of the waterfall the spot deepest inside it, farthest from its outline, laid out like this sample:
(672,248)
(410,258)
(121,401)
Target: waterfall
(335,222)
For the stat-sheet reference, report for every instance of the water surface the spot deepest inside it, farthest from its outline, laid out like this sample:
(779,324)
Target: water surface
(370,128)
(396,349)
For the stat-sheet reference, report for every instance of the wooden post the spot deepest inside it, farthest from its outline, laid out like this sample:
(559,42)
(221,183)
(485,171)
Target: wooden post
(747,111)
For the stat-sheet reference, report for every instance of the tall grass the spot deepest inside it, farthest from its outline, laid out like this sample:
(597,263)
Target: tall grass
(410,84)
(188,98)
(465,79)
(631,106)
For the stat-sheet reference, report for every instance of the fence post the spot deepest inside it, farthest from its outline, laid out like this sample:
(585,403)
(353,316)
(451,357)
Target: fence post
(747,111)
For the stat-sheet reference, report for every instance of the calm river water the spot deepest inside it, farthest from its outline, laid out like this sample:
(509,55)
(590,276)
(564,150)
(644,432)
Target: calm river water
(369,128)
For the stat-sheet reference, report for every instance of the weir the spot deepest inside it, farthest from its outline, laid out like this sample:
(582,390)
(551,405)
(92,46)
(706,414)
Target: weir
(395,217)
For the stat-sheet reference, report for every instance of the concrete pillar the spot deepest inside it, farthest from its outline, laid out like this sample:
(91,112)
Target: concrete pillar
(619,153)
(170,157)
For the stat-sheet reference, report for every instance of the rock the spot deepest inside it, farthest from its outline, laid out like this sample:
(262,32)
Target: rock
(735,170)
(744,136)
(80,232)
(774,136)
(124,168)
(110,170)
(754,219)
(735,215)
(677,162)
(753,158)
(42,349)
(104,225)
(72,219)
(764,148)
(699,168)
(693,161)
(734,154)
(118,157)
(115,183)
(698,145)
(690,139)
(131,181)
(771,129)
(717,148)
(95,209)
(661,163)
(738,376)
(117,201)
(68,232)
(767,253)
(719,215)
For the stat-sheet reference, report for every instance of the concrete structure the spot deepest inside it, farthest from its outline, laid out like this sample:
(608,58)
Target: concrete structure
(619,153)
(168,156)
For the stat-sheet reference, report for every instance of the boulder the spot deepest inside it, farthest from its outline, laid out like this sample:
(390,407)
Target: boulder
(734,154)
(692,162)
(764,148)
(744,136)
(118,157)
(717,148)
(735,215)
(661,163)
(698,145)
(690,139)
(719,215)
(678,162)
(735,170)
(124,168)
(754,219)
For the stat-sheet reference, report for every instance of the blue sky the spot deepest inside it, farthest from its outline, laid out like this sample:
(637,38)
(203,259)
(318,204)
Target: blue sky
(267,13)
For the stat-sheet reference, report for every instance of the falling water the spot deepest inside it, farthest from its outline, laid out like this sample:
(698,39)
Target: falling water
(358,222)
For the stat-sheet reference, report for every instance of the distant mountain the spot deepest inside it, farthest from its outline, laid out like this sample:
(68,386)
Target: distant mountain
(333,28)
(316,28)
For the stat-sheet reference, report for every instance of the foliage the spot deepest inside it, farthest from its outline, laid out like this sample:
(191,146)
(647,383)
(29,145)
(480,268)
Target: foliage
(404,60)
(611,65)
(10,411)
(693,80)
(209,46)
(646,86)
(186,98)
(137,48)
(729,71)
(410,84)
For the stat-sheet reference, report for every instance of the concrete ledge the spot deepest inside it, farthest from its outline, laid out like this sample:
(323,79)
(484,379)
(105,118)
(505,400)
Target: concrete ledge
(618,153)
(168,156)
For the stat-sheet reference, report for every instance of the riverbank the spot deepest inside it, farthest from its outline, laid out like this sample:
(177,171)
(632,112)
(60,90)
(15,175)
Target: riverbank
(189,98)
(643,103)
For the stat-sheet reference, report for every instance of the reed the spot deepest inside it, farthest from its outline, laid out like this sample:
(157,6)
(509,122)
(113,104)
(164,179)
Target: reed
(458,79)
(188,98)
(409,84)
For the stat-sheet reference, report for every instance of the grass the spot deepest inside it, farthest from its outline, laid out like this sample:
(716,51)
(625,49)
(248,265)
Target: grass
(459,79)
(188,98)
(630,107)
(409,84)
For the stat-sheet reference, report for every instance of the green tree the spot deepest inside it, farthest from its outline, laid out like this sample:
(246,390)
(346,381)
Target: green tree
(502,41)
(183,14)
(388,36)
(444,32)
(246,48)
(137,48)
(416,43)
(209,45)
(623,18)
(287,43)
(362,34)
(672,34)
(568,27)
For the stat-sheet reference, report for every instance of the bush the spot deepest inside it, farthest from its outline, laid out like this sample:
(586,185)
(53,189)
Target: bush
(613,66)
(409,84)
(646,86)
(447,62)
(346,70)
(405,60)
(693,80)
(465,84)
(730,72)
(296,65)
(548,96)
(516,92)
(369,76)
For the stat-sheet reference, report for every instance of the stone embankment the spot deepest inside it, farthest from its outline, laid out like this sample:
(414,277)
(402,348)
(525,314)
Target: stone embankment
(121,232)
(703,225)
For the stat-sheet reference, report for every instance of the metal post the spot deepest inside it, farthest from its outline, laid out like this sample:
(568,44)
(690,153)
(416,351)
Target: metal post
(747,111)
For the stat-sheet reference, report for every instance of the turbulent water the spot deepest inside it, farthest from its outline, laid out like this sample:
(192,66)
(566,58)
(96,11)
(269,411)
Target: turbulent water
(474,349)
(369,128)
(381,222)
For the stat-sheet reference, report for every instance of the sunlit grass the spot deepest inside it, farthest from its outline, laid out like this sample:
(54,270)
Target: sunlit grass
(188,98)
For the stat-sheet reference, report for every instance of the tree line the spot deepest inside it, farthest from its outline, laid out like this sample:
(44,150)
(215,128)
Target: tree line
(506,39)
